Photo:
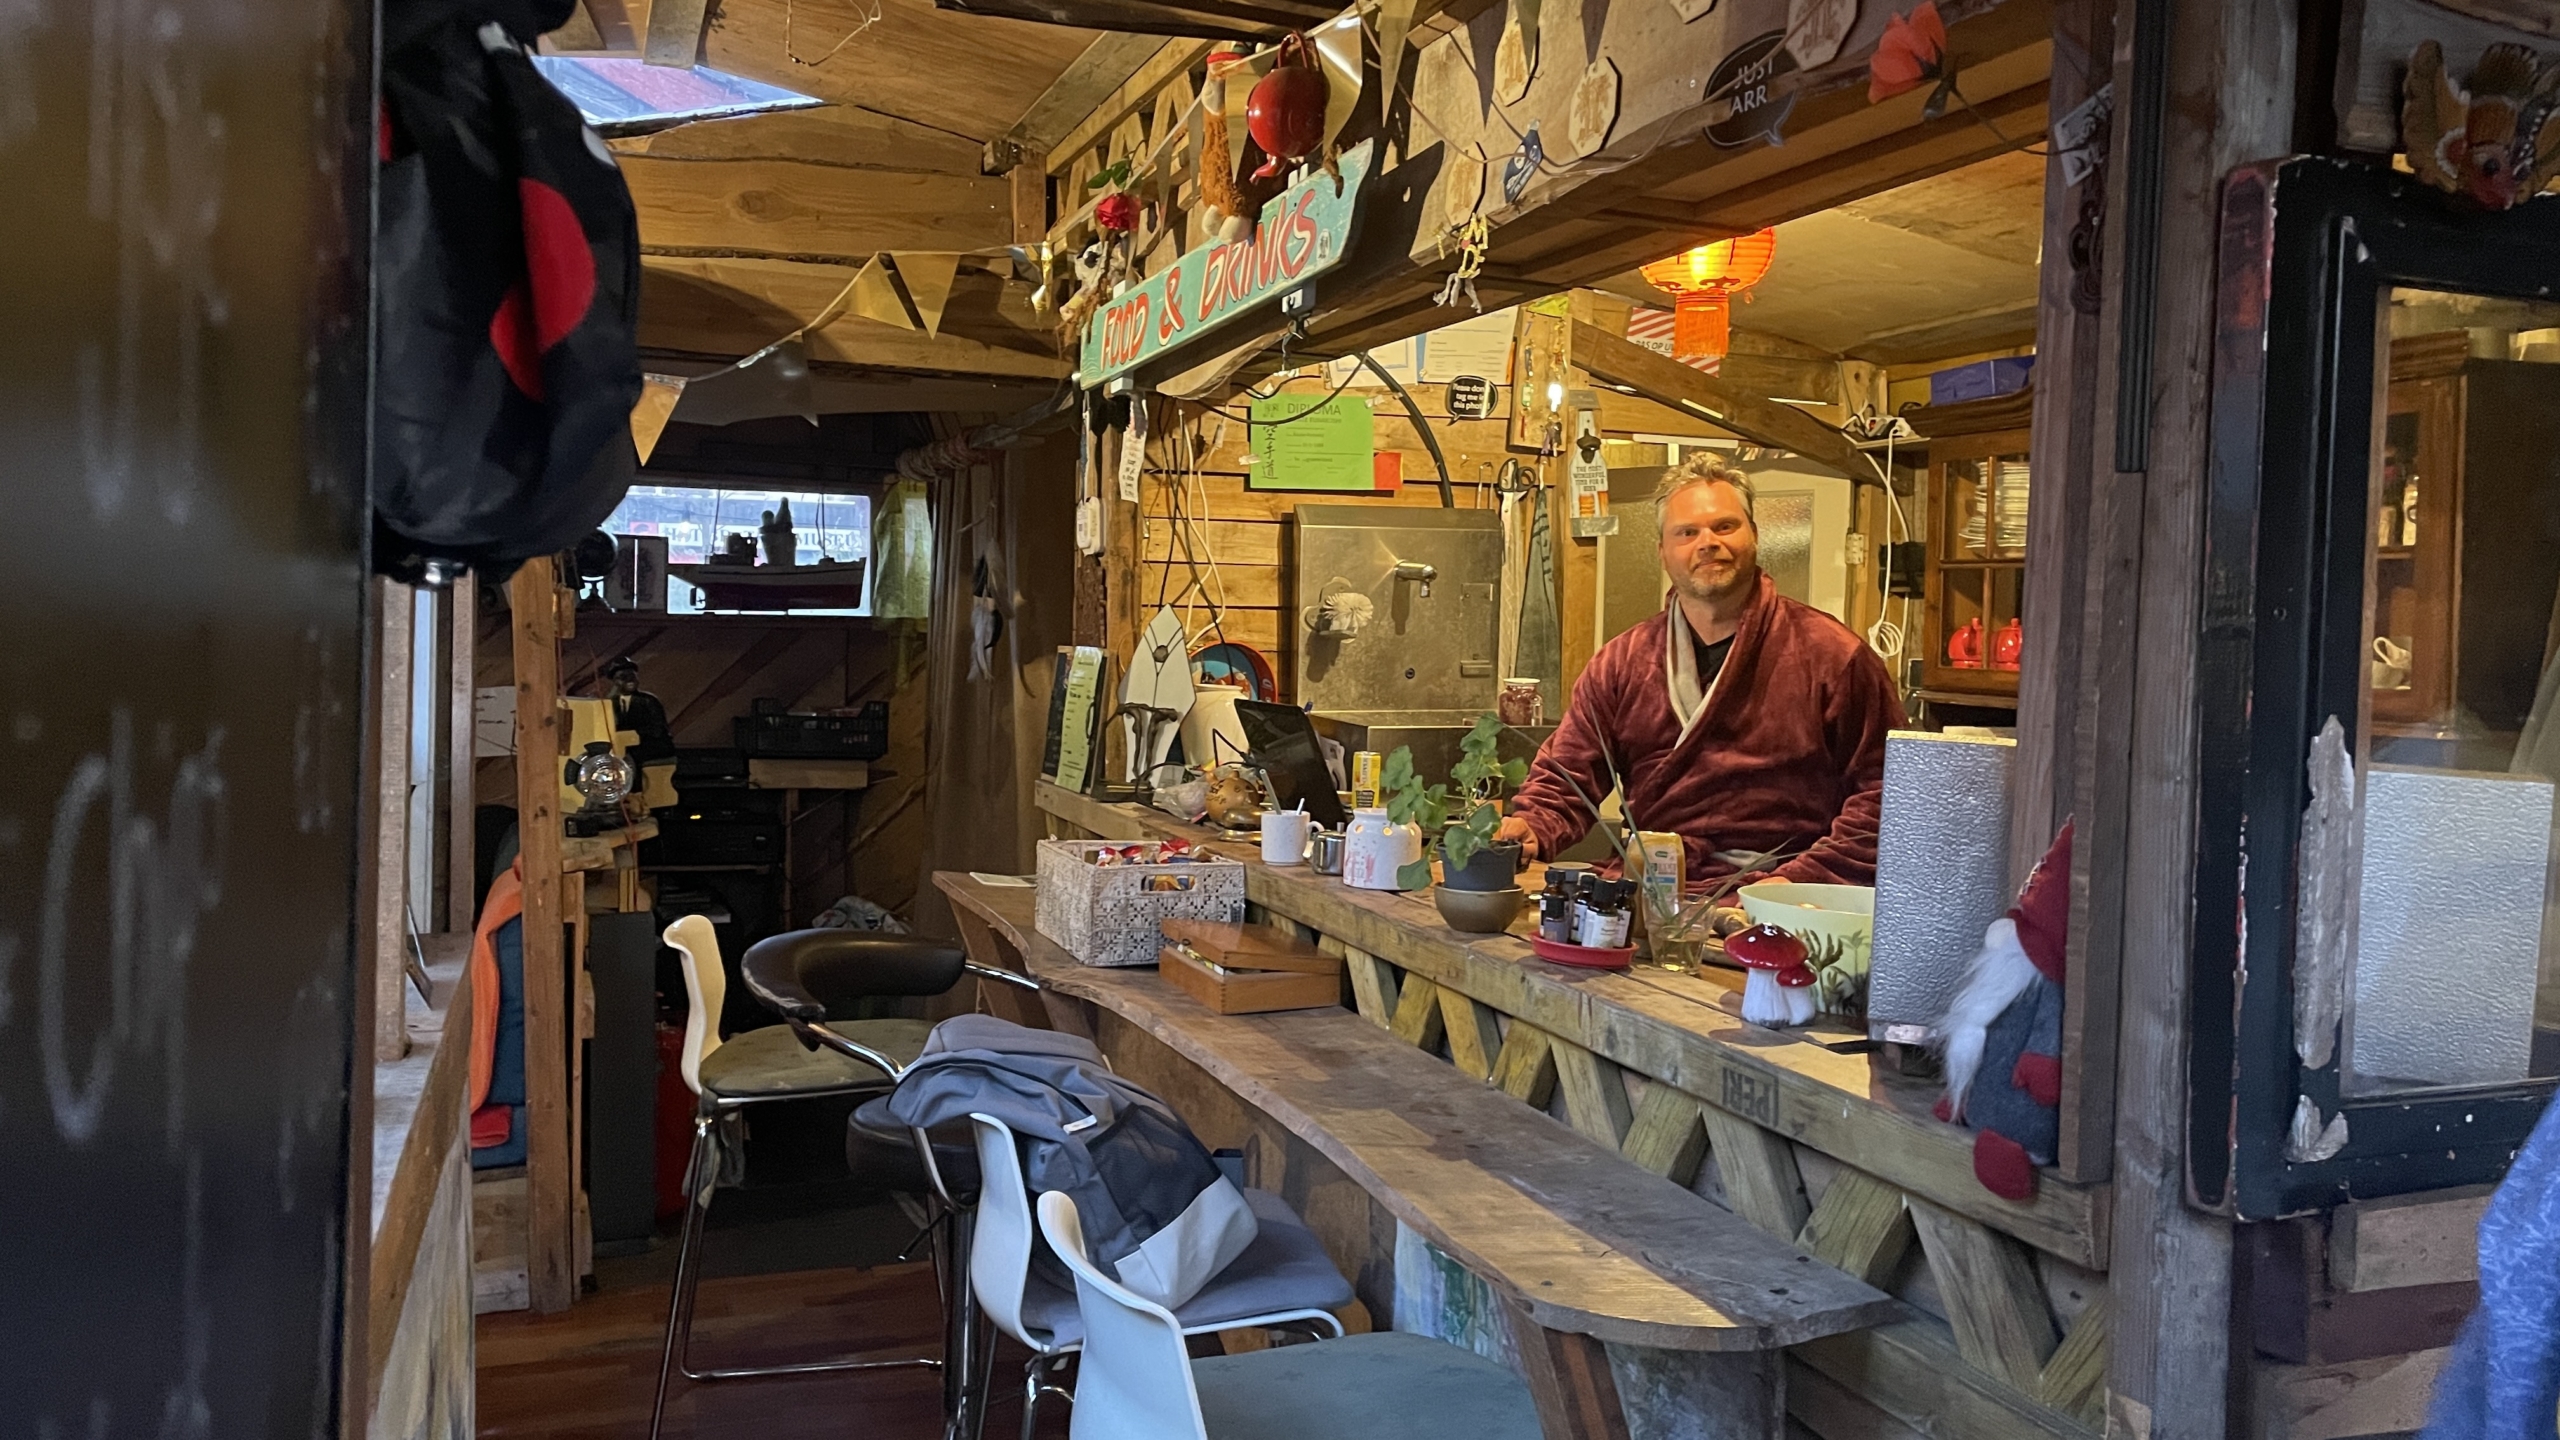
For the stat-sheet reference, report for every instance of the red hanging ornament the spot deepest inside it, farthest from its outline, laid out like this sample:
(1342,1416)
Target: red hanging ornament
(1116,212)
(1285,112)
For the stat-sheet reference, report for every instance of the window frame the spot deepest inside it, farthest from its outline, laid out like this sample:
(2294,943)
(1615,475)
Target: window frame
(2310,248)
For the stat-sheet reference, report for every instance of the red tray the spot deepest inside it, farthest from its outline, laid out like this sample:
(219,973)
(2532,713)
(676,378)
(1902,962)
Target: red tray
(1589,957)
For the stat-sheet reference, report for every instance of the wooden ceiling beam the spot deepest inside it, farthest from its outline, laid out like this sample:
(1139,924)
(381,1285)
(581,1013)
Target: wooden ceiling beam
(674,32)
(1172,60)
(1089,80)
(792,208)
(722,308)
(1714,398)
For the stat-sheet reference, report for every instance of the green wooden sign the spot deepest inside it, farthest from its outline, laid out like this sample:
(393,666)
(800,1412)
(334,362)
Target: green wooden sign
(1304,232)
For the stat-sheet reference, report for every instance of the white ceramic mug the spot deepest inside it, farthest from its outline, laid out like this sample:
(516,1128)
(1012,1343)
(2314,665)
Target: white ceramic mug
(1284,837)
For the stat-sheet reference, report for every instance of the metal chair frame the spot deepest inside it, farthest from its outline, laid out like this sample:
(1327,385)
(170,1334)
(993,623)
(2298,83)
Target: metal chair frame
(947,1231)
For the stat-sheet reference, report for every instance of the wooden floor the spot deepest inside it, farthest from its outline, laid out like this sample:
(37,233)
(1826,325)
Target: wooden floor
(588,1373)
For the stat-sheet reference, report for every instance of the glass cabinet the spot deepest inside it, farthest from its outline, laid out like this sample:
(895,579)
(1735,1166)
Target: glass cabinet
(1977,492)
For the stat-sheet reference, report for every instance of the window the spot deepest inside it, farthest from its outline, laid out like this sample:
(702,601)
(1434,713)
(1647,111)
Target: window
(697,520)
(2373,1009)
(633,97)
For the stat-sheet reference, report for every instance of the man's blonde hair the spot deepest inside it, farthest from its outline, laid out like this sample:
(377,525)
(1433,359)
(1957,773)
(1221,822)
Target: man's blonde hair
(1708,468)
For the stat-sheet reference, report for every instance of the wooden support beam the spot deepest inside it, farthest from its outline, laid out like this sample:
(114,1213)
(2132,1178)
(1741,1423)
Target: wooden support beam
(1417,1019)
(1172,59)
(1526,1068)
(550,1176)
(1595,1094)
(1861,1227)
(1988,1283)
(462,826)
(1373,983)
(795,209)
(1089,81)
(2074,1381)
(1668,1135)
(1755,418)
(1569,1380)
(1912,1372)
(1475,1036)
(386,886)
(675,32)
(1758,1168)
(727,307)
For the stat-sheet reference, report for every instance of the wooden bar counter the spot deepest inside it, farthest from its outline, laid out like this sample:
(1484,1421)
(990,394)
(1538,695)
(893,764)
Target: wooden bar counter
(2004,1322)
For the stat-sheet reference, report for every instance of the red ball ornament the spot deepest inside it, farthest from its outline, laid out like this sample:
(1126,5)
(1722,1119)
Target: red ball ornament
(1117,212)
(1285,112)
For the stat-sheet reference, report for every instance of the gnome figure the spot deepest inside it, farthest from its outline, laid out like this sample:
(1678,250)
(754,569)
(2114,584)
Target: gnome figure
(2003,1033)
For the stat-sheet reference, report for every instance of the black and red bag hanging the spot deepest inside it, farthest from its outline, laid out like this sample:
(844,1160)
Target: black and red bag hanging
(507,293)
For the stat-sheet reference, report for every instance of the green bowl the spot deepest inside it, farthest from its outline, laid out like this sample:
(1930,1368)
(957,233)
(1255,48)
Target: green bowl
(1837,924)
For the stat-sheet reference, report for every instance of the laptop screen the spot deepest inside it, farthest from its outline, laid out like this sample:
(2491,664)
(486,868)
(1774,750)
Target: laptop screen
(1285,745)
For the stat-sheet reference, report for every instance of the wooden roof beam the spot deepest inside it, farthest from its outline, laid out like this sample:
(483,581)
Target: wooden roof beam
(1753,417)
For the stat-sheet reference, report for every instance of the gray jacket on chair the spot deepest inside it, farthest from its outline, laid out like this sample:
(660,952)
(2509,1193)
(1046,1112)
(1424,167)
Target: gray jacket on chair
(1158,1214)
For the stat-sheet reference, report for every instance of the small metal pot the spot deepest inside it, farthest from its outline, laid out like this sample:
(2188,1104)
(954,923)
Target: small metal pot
(1328,856)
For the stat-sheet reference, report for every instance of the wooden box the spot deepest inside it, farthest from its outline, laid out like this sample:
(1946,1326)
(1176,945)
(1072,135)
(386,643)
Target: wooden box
(1248,969)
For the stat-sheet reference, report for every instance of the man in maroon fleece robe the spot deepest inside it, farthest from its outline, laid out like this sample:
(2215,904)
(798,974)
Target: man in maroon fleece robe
(1751,724)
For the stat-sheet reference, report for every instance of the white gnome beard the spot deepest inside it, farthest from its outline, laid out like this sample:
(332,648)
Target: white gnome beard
(1999,973)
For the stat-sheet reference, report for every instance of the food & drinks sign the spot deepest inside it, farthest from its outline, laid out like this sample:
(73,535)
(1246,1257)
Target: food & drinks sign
(1304,232)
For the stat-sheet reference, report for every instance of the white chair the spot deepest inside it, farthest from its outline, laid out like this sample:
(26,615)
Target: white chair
(1136,1381)
(808,1057)
(1283,1279)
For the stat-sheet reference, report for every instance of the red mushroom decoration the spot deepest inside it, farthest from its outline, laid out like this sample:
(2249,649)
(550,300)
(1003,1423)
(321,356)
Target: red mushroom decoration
(1779,990)
(1285,112)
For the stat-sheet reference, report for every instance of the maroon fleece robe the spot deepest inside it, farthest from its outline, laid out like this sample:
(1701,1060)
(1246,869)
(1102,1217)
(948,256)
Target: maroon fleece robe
(1788,754)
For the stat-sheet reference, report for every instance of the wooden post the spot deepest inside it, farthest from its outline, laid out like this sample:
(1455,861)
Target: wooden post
(550,1182)
(2052,670)
(1569,1380)
(387,837)
(2199,88)
(462,628)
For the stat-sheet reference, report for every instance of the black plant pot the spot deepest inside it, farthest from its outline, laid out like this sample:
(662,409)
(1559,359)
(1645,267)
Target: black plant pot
(1495,867)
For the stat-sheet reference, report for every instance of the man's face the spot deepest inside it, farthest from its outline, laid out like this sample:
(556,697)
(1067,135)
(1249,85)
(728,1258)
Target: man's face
(1709,548)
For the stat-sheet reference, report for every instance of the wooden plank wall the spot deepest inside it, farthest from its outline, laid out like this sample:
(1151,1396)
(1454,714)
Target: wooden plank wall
(710,669)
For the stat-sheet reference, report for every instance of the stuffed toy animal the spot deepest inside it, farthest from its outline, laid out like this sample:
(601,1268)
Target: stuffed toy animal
(2002,1034)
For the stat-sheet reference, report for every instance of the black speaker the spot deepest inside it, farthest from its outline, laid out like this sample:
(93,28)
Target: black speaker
(622,1081)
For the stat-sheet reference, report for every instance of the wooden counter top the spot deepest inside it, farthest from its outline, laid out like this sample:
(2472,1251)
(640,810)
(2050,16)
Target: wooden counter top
(1683,1029)
(1580,1238)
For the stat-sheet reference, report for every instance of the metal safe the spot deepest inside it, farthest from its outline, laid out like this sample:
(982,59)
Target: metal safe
(1431,580)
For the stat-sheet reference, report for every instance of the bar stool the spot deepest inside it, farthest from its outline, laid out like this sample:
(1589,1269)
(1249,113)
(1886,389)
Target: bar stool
(809,1057)
(1137,1382)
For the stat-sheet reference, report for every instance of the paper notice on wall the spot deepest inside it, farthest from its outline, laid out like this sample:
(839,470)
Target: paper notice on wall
(1400,358)
(1478,345)
(493,721)
(1133,452)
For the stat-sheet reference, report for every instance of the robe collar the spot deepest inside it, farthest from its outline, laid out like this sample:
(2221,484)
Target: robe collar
(1680,654)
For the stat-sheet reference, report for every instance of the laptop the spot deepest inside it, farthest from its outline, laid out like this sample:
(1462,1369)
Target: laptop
(1285,746)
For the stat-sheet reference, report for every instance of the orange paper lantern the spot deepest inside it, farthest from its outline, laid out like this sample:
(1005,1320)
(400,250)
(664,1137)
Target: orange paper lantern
(1705,280)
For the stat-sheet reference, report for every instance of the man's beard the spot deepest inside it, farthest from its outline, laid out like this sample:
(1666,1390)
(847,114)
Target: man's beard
(1692,586)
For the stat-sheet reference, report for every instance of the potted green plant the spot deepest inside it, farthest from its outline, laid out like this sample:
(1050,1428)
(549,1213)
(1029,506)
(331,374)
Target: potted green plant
(1463,814)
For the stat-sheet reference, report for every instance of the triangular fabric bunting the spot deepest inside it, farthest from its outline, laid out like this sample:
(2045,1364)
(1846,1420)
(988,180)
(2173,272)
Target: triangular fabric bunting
(876,297)
(929,275)
(658,396)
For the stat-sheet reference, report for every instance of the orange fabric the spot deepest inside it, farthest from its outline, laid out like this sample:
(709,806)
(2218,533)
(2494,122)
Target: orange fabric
(504,903)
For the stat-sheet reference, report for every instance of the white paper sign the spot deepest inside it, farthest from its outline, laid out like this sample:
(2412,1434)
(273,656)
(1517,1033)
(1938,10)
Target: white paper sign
(1133,452)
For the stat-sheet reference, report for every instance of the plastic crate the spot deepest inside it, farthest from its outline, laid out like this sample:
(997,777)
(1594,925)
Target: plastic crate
(774,734)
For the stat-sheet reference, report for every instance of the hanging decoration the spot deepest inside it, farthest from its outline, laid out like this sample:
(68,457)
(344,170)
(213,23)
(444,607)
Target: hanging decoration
(1461,189)
(1522,166)
(1285,112)
(1751,93)
(1706,279)
(1221,205)
(1473,237)
(658,396)
(1515,56)
(1816,29)
(2495,140)
(1913,50)
(1595,109)
(1116,211)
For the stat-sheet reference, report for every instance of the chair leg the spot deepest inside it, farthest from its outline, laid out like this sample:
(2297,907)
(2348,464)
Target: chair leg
(1031,1388)
(680,1298)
